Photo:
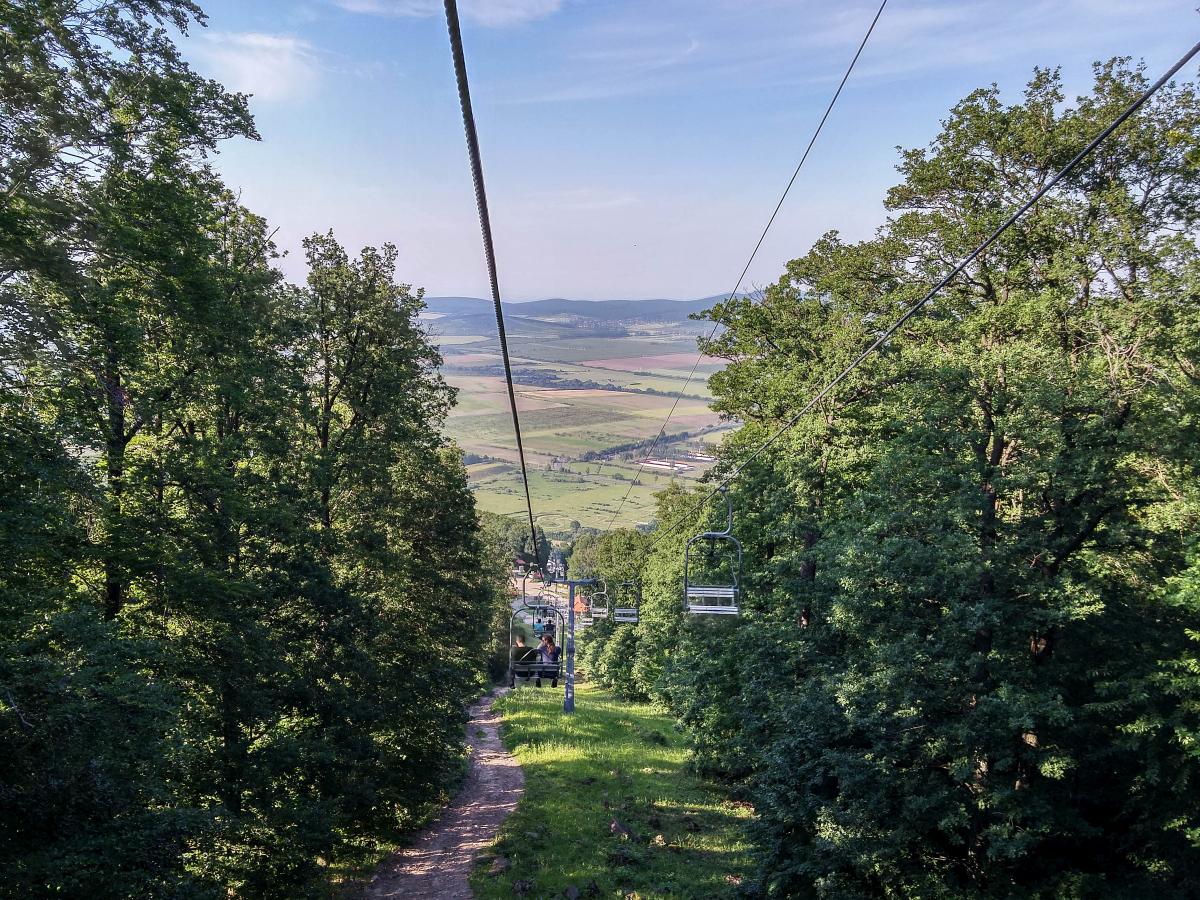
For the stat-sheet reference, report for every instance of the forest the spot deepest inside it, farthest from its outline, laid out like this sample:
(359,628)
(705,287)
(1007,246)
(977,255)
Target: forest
(244,596)
(967,660)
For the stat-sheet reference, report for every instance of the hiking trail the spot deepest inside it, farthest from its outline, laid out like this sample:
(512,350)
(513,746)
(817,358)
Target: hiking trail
(438,864)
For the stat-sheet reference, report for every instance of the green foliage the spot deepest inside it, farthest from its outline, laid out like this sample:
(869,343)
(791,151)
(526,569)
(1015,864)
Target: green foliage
(509,537)
(503,542)
(607,650)
(243,593)
(967,665)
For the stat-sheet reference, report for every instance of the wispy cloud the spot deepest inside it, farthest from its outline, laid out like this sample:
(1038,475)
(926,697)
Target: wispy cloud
(492,13)
(672,46)
(272,67)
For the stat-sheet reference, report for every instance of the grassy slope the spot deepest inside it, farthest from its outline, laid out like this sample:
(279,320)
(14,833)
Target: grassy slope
(611,760)
(562,497)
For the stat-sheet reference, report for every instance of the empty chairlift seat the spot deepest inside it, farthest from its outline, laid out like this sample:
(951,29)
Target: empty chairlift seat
(598,607)
(712,583)
(713,599)
(627,603)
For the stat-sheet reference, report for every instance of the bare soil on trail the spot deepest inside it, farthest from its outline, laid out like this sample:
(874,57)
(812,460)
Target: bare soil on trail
(438,864)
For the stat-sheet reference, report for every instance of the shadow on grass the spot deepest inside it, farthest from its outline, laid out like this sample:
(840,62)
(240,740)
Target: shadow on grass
(608,802)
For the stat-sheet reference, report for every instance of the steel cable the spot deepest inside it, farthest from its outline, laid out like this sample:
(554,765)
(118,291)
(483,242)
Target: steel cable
(886,335)
(489,250)
(754,253)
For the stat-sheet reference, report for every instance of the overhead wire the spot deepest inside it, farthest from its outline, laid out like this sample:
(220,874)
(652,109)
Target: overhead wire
(891,330)
(489,250)
(753,253)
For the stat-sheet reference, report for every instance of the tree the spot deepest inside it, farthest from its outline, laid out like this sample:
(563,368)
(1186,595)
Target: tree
(510,535)
(608,650)
(244,597)
(968,675)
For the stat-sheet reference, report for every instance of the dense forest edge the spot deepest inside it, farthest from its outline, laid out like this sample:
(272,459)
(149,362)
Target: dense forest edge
(246,596)
(967,660)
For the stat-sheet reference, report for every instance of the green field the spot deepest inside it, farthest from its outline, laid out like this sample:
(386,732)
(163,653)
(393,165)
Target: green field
(580,349)
(675,835)
(608,407)
(569,423)
(560,498)
(465,354)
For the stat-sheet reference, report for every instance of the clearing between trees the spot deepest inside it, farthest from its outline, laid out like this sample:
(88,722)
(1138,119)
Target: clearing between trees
(609,807)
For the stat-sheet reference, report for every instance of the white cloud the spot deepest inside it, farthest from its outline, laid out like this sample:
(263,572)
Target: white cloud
(492,13)
(272,67)
(672,46)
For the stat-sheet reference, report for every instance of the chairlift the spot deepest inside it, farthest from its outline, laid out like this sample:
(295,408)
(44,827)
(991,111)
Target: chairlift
(531,622)
(599,606)
(526,599)
(717,589)
(627,603)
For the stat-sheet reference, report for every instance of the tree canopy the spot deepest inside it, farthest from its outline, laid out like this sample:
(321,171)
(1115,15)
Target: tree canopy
(967,662)
(244,597)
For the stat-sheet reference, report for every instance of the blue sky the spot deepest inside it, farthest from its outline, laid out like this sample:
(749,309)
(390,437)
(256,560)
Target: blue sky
(632,148)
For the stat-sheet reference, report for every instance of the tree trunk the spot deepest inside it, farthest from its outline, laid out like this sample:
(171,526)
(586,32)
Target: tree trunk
(114,575)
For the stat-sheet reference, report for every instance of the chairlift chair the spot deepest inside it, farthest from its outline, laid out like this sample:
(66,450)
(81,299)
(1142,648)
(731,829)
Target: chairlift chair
(714,596)
(599,606)
(527,663)
(628,603)
(525,597)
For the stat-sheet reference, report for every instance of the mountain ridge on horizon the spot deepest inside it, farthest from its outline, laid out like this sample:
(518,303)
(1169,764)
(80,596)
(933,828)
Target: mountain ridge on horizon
(584,309)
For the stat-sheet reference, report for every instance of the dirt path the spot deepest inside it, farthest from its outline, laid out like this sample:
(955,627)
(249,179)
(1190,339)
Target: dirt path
(438,864)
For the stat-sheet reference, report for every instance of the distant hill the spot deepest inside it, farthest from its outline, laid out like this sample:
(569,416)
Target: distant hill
(485,323)
(558,317)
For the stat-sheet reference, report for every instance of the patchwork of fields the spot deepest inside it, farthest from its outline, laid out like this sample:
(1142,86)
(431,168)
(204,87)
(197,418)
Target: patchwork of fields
(589,407)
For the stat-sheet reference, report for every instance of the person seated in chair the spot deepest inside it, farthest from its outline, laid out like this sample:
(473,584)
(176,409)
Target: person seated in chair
(550,656)
(522,653)
(524,661)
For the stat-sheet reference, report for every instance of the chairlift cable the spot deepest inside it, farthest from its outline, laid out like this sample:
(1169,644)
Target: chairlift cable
(489,250)
(887,335)
(754,253)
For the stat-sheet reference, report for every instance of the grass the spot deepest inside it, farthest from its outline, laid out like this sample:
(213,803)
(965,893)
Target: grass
(611,761)
(459,366)
(562,497)
(566,424)
(574,350)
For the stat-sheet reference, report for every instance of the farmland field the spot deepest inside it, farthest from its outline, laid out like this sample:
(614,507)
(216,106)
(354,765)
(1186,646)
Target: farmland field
(590,405)
(560,498)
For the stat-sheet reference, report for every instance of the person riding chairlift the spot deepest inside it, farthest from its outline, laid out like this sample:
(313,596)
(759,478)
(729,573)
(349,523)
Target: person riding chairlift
(522,653)
(526,661)
(550,655)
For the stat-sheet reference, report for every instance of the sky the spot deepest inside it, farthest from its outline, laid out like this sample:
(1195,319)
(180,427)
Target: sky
(631,148)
